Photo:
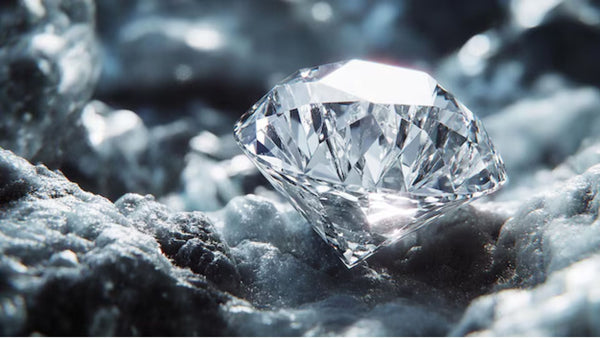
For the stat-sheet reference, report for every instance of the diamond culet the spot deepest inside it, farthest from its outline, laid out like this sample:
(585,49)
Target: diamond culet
(368,152)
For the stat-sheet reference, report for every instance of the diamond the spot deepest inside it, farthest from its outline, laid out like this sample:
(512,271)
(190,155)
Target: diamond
(368,152)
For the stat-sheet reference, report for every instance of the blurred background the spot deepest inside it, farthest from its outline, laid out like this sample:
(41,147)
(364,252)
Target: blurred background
(141,96)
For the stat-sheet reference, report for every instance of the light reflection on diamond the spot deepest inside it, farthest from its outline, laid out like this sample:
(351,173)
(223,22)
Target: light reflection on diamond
(368,152)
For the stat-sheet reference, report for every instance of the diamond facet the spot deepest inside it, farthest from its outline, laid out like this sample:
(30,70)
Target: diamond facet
(367,152)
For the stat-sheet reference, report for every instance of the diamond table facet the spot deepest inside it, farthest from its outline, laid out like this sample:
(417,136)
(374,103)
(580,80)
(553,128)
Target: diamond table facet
(368,152)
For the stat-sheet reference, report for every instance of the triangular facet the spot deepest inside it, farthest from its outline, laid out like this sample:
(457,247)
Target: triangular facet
(368,152)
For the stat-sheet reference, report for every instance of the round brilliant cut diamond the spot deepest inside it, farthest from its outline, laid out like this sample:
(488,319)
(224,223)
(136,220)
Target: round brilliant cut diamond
(368,152)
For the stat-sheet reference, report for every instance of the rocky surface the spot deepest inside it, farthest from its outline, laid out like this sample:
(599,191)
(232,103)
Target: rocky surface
(75,264)
(566,305)
(213,250)
(261,270)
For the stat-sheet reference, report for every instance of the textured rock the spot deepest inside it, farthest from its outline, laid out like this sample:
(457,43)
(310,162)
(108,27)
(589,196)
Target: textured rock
(48,68)
(568,304)
(551,243)
(73,264)
(552,223)
(551,231)
(189,239)
(64,252)
(289,270)
(340,315)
